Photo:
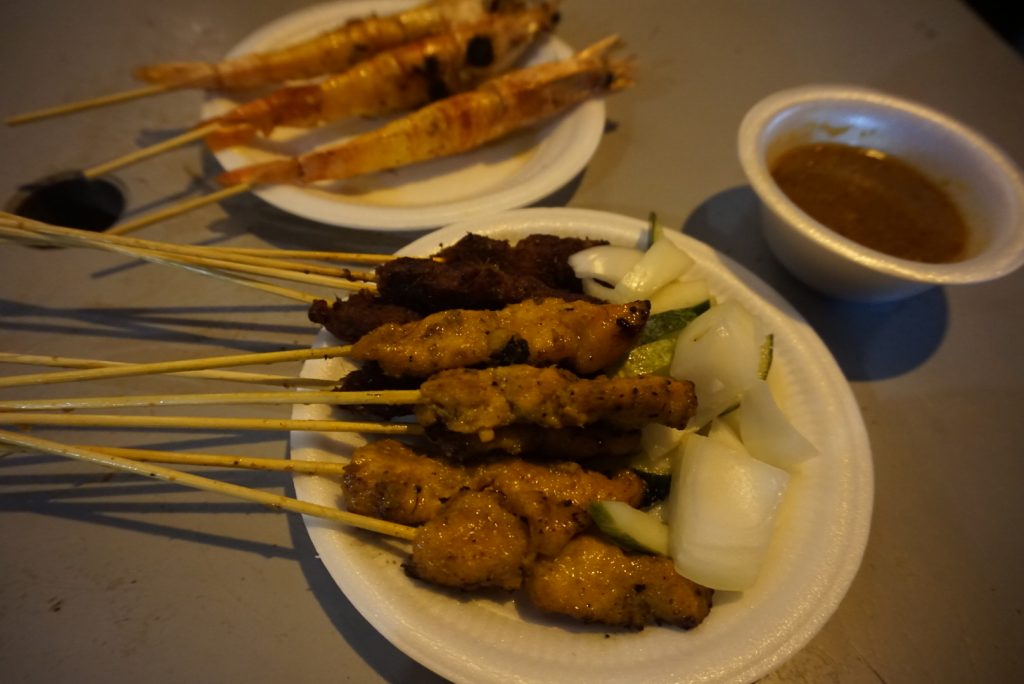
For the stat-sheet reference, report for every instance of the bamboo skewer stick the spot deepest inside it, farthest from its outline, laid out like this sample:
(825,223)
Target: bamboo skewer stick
(283,465)
(230,376)
(274,501)
(344,257)
(251,257)
(178,209)
(204,423)
(81,105)
(287,293)
(183,262)
(374,397)
(162,367)
(150,151)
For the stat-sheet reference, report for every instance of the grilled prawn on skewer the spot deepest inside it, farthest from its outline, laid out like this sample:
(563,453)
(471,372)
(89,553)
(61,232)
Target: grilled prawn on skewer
(332,51)
(398,79)
(456,124)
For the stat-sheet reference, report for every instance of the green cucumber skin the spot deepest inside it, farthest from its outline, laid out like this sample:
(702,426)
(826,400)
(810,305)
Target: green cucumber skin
(649,536)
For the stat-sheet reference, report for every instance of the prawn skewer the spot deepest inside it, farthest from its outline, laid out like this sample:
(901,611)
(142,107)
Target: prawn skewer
(332,51)
(398,79)
(457,124)
(327,52)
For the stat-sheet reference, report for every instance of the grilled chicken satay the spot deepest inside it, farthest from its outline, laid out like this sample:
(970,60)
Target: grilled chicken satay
(387,479)
(509,523)
(456,124)
(400,79)
(332,51)
(478,540)
(594,580)
(477,272)
(475,401)
(580,336)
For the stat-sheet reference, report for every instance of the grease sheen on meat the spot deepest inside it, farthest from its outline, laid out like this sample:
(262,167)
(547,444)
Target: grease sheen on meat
(581,336)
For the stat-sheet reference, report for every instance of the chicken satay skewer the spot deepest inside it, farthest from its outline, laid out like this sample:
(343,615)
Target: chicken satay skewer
(463,400)
(399,79)
(273,501)
(457,124)
(584,337)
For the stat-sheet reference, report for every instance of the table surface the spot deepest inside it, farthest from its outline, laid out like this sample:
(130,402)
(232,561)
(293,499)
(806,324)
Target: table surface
(107,577)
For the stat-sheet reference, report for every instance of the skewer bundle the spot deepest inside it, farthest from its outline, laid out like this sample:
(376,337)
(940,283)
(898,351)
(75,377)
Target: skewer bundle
(473,405)
(446,61)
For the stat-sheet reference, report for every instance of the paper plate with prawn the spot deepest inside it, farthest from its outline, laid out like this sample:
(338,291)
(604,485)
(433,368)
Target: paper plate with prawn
(514,171)
(818,541)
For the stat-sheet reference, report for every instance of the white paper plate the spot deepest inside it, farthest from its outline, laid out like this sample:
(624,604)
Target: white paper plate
(814,556)
(514,172)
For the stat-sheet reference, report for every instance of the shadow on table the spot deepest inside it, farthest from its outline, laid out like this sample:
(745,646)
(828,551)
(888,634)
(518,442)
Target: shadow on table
(221,326)
(389,662)
(869,341)
(248,213)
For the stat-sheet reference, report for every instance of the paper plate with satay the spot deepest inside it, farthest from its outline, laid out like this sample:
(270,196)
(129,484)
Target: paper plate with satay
(545,445)
(607,459)
(491,114)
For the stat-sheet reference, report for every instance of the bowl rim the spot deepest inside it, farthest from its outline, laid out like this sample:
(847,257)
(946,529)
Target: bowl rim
(987,265)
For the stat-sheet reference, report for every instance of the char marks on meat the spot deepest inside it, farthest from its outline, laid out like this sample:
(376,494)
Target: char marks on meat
(350,319)
(477,272)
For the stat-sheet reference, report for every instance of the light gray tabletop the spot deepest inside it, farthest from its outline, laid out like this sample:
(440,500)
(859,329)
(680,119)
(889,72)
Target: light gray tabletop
(110,578)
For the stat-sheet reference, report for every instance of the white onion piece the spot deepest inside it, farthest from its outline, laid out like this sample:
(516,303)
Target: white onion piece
(722,431)
(607,263)
(768,433)
(722,508)
(679,294)
(720,352)
(657,443)
(662,263)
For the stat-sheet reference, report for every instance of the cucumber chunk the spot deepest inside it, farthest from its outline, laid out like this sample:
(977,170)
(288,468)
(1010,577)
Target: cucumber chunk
(630,527)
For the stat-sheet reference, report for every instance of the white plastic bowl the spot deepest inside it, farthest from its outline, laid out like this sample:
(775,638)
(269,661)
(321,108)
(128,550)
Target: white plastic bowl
(982,181)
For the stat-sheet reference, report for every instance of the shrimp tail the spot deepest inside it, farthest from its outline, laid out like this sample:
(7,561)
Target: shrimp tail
(230,135)
(276,171)
(179,74)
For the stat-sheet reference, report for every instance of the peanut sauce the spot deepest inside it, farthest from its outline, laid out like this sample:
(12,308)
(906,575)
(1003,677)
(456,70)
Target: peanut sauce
(875,199)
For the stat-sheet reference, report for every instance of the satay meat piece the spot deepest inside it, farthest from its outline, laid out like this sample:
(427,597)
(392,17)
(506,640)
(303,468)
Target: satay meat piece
(474,542)
(581,336)
(544,257)
(350,319)
(386,479)
(477,401)
(594,580)
(429,286)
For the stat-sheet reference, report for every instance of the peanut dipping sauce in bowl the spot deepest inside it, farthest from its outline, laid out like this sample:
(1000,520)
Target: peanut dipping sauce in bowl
(869,197)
